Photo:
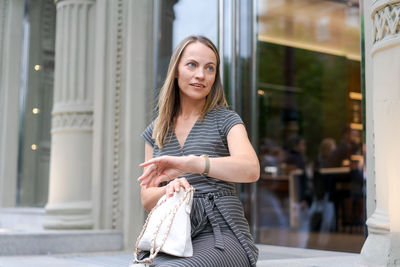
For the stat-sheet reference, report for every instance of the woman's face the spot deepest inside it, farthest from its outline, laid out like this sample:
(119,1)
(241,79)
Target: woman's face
(196,71)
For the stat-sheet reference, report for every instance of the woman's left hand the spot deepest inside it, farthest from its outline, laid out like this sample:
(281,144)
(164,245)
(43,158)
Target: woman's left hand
(160,169)
(176,185)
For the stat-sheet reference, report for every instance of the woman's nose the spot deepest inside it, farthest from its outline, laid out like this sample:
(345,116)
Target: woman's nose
(199,73)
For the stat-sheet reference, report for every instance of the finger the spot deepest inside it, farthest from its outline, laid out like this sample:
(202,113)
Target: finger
(150,176)
(169,191)
(149,162)
(145,164)
(145,181)
(157,160)
(185,184)
(160,178)
(147,172)
(152,181)
(149,181)
(144,185)
(177,186)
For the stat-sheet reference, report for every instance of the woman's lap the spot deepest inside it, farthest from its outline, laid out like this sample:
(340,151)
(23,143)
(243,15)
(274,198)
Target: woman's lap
(205,254)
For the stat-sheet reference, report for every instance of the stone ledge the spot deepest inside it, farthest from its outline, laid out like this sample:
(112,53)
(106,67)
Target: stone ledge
(59,242)
(279,256)
(270,256)
(269,252)
(342,261)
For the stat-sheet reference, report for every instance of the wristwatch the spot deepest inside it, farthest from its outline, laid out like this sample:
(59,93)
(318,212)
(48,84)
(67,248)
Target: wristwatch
(207,166)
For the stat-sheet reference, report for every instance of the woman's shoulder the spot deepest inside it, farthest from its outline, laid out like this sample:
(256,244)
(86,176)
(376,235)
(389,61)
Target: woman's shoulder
(222,113)
(150,127)
(147,134)
(225,119)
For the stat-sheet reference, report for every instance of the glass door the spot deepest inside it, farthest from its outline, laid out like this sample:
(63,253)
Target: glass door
(309,125)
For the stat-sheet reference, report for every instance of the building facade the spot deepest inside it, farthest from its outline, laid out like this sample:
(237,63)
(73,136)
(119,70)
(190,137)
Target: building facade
(79,79)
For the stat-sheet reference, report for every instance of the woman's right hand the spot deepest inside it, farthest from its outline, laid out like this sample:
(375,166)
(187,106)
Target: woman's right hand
(175,186)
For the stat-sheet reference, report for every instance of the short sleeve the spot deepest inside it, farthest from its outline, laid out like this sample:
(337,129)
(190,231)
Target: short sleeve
(148,135)
(229,119)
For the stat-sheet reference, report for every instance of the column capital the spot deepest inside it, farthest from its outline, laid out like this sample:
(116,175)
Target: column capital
(380,4)
(72,121)
(385,16)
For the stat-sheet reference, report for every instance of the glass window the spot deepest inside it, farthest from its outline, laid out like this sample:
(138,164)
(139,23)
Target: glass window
(36,100)
(311,190)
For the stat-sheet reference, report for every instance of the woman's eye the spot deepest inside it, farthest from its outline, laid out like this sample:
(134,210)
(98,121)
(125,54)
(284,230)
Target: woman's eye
(191,64)
(210,68)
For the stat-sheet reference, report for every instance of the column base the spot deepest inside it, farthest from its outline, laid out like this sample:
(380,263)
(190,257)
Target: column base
(382,247)
(376,249)
(381,250)
(73,215)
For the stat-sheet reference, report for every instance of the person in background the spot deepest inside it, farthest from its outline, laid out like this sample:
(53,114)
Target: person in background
(271,157)
(349,145)
(296,159)
(322,210)
(326,148)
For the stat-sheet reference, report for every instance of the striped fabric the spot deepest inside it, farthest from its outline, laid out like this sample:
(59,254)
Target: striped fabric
(220,232)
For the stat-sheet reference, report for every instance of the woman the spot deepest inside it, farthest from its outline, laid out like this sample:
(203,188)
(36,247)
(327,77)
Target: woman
(196,141)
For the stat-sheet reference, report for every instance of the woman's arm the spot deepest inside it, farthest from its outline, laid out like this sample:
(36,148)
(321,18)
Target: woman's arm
(150,195)
(241,166)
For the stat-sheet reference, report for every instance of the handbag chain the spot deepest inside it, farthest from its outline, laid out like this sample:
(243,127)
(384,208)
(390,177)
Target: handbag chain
(154,251)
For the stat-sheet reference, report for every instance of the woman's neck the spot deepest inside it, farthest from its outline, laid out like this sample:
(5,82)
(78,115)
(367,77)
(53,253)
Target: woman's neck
(191,108)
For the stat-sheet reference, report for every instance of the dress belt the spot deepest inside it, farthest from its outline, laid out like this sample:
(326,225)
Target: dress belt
(215,194)
(209,203)
(211,200)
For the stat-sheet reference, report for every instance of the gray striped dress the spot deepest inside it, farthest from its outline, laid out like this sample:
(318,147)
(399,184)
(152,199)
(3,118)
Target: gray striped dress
(220,232)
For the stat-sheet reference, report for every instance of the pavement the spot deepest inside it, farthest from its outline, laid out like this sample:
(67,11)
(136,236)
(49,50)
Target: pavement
(27,223)
(271,256)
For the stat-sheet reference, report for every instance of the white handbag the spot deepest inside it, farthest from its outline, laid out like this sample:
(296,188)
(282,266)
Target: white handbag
(167,228)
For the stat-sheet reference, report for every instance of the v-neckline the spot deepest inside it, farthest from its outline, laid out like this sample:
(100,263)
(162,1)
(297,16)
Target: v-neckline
(181,147)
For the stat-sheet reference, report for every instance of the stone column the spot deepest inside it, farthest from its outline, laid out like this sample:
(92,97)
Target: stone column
(382,246)
(70,202)
(122,109)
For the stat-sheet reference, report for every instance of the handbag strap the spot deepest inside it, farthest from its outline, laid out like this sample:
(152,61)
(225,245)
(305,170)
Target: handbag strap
(154,251)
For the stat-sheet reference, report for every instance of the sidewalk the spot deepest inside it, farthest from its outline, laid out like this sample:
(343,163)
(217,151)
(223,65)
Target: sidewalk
(270,256)
(27,236)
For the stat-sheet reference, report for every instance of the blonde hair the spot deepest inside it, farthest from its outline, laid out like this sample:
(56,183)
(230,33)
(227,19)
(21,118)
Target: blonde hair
(168,100)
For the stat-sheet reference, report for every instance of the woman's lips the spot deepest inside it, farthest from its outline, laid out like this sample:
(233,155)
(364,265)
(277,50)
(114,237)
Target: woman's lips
(198,85)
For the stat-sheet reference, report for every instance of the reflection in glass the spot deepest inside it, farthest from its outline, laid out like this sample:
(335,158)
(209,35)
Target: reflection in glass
(36,99)
(311,190)
(326,26)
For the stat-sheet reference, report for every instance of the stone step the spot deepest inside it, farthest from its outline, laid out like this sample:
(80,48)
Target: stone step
(59,242)
(21,219)
(21,233)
